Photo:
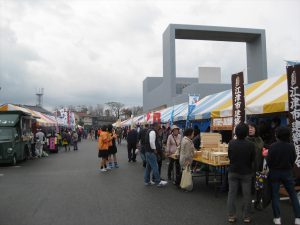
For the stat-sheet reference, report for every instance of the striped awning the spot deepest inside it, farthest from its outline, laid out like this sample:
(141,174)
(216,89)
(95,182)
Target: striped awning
(178,109)
(266,96)
(41,119)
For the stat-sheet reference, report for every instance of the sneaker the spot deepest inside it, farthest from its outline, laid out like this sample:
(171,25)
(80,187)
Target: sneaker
(277,221)
(231,219)
(108,168)
(162,183)
(103,170)
(149,183)
(247,220)
(297,221)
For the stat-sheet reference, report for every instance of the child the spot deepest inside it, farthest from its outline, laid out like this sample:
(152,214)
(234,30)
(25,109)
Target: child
(103,143)
(112,149)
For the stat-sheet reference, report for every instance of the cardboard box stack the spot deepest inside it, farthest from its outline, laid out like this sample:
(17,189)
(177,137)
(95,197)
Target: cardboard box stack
(212,148)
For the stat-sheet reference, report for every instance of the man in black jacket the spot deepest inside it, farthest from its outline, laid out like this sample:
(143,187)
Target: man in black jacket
(281,159)
(142,136)
(132,140)
(241,154)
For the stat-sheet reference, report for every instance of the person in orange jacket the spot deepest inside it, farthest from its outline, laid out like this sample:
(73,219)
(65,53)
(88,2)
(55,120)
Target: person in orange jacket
(103,144)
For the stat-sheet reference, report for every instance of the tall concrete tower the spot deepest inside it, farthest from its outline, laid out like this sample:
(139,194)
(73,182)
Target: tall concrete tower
(39,97)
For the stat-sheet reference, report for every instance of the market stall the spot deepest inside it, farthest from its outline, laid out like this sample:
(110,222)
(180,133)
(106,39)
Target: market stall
(213,155)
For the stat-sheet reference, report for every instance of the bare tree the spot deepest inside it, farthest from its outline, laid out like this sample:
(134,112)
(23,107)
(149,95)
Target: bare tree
(126,112)
(107,112)
(115,108)
(137,110)
(90,110)
(99,110)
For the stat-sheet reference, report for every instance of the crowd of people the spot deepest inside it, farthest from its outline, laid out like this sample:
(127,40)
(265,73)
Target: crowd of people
(250,154)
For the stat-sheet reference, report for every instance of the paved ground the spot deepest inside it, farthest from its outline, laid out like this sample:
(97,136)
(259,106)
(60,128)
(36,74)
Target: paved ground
(66,189)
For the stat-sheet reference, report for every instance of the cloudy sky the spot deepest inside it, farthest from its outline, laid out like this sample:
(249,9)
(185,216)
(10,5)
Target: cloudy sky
(92,51)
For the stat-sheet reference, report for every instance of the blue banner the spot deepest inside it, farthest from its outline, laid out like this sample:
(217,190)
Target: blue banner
(171,118)
(193,99)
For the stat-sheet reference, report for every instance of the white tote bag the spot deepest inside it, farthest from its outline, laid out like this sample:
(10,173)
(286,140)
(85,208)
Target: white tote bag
(186,179)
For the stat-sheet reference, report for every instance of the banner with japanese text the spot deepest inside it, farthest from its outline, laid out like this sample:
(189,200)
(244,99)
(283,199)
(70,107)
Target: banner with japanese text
(193,99)
(293,80)
(238,100)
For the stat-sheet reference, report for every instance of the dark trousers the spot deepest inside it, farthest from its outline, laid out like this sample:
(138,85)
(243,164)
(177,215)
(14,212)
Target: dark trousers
(159,163)
(170,168)
(176,173)
(131,147)
(286,178)
(75,145)
(119,139)
(235,180)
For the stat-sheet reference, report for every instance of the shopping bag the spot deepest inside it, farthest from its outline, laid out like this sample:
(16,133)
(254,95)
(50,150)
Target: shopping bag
(186,179)
(263,188)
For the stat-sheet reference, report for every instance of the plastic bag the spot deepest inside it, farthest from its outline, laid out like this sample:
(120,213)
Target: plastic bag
(186,179)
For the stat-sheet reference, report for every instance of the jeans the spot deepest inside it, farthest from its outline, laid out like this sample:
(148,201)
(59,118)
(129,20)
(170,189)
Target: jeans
(151,160)
(234,180)
(286,178)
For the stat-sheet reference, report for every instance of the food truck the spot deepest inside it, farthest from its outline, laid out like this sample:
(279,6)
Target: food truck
(15,136)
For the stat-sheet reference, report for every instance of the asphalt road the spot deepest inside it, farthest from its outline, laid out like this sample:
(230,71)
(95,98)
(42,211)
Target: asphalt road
(67,189)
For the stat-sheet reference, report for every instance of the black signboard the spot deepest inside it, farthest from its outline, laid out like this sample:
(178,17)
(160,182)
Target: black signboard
(238,100)
(293,80)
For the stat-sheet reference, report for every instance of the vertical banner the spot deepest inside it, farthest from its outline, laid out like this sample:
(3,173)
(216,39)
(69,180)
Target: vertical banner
(171,118)
(156,117)
(238,100)
(193,99)
(293,80)
(68,118)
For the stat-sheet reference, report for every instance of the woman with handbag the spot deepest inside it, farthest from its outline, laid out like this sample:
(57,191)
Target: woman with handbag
(172,143)
(186,156)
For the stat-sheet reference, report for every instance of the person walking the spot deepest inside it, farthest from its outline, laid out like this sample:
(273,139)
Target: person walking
(132,140)
(142,136)
(40,140)
(96,134)
(241,154)
(112,149)
(103,144)
(281,160)
(75,140)
(65,140)
(92,134)
(151,150)
(119,134)
(173,142)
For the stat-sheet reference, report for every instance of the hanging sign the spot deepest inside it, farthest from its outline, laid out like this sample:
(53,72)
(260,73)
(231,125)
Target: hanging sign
(238,100)
(193,99)
(293,80)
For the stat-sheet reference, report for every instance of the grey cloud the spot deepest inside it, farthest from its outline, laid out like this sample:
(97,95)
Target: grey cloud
(15,79)
(89,52)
